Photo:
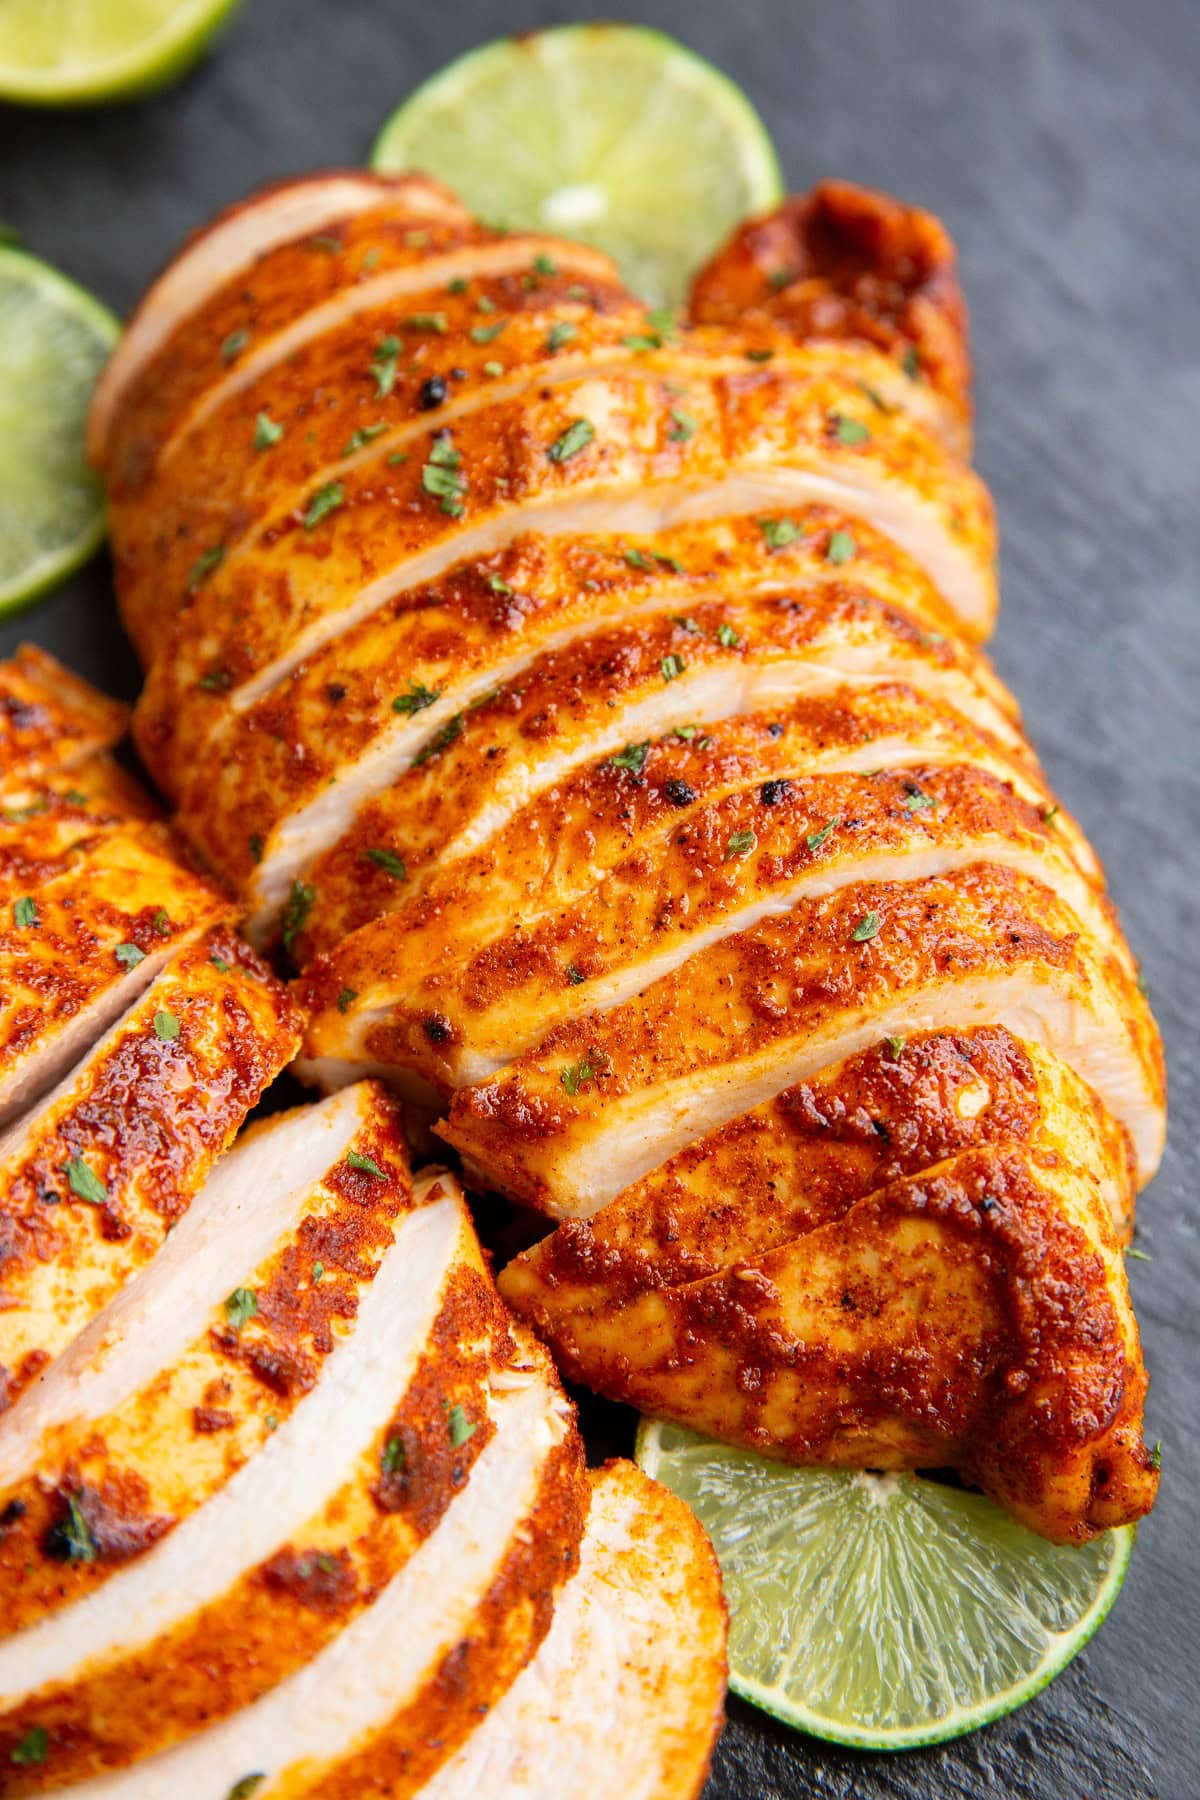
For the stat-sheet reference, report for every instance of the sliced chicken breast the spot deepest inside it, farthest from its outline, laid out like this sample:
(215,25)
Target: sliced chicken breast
(625,1694)
(197,1361)
(49,820)
(49,719)
(603,1100)
(93,1179)
(304,1537)
(403,1683)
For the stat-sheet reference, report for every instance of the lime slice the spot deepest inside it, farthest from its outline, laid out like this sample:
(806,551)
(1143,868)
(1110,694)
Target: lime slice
(54,52)
(54,339)
(882,1611)
(610,134)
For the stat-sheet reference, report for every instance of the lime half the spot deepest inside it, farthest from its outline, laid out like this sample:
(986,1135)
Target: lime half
(610,134)
(54,340)
(882,1611)
(55,52)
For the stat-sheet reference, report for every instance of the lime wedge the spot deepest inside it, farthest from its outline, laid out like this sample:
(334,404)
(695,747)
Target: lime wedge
(54,340)
(613,135)
(55,52)
(882,1611)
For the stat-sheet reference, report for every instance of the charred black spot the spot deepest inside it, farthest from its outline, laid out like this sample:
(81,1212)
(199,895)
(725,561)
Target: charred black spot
(679,793)
(438,1028)
(772,792)
(432,393)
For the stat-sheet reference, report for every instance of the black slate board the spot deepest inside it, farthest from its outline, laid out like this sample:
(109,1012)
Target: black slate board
(1060,140)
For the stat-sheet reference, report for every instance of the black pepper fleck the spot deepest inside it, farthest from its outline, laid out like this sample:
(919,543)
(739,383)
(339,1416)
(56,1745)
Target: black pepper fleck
(772,792)
(432,393)
(679,793)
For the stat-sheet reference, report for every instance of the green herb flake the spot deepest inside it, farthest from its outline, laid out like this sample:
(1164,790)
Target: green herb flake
(1138,1255)
(916,800)
(779,533)
(389,862)
(161,922)
(895,1048)
(32,1749)
(848,431)
(363,436)
(300,903)
(255,845)
(271,1421)
(727,637)
(71,1540)
(632,757)
(219,964)
(672,666)
(216,681)
(393,1459)
(427,321)
(781,278)
(562,333)
(686,623)
(637,559)
(442,475)
(166,1025)
(683,426)
(1156,1455)
(458,286)
(759,356)
(365,1165)
(686,732)
(240,1306)
(249,1784)
(910,362)
(233,345)
(576,437)
(25,913)
(487,334)
(642,341)
(841,547)
(575,975)
(498,585)
(417,698)
(484,305)
(318,1272)
(325,241)
(543,265)
(384,364)
(576,1076)
(129,955)
(493,369)
(346,999)
(461,1428)
(205,565)
(662,320)
(740,844)
(441,740)
(867,928)
(266,432)
(668,562)
(815,839)
(1048,816)
(327,499)
(874,396)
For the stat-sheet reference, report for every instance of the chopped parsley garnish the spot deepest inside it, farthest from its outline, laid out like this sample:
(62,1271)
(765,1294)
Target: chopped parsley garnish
(300,903)
(915,800)
(848,431)
(25,913)
(1156,1455)
(1138,1255)
(233,345)
(204,566)
(393,1459)
(32,1749)
(161,922)
(166,1025)
(266,432)
(362,437)
(240,1306)
(417,698)
(641,341)
(71,1540)
(673,666)
(576,437)
(365,1164)
(562,333)
(493,369)
(895,1048)
(442,475)
(727,637)
(781,278)
(683,426)
(389,862)
(575,974)
(1047,817)
(686,623)
(219,964)
(544,266)
(431,321)
(740,844)
(318,1272)
(815,839)
(487,334)
(461,1428)
(441,740)
(346,999)
(84,1182)
(325,240)
(327,499)
(577,1075)
(637,559)
(632,757)
(384,364)
(669,562)
(867,928)
(778,533)
(841,547)
(249,1784)
(874,396)
(498,585)
(216,681)
(661,319)
(129,955)
(255,845)
(760,356)
(910,362)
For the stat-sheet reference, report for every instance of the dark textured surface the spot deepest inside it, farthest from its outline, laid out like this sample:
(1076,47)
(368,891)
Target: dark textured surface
(1060,139)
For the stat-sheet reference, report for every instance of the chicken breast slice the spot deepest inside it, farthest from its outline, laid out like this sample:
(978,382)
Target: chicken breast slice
(625,1695)
(723,869)
(170,1390)
(294,1547)
(601,1101)
(218,259)
(92,1180)
(592,455)
(974,1316)
(849,263)
(50,720)
(403,1683)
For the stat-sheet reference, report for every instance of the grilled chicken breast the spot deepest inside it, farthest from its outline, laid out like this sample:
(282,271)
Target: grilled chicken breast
(588,703)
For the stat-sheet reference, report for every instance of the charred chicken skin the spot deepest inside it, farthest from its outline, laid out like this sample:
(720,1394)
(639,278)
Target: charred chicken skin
(589,704)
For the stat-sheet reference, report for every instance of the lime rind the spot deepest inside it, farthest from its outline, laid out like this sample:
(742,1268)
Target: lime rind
(145,65)
(612,134)
(883,1612)
(54,339)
